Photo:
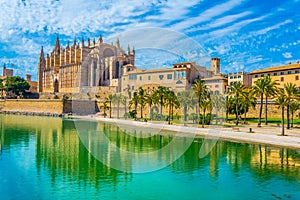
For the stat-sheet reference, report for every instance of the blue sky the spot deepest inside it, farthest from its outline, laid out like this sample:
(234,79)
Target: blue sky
(245,34)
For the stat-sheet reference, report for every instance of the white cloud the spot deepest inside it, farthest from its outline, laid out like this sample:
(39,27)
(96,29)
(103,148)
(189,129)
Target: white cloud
(271,28)
(287,55)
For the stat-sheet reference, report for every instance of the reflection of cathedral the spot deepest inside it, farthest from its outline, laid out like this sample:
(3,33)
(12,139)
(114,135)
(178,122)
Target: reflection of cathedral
(77,68)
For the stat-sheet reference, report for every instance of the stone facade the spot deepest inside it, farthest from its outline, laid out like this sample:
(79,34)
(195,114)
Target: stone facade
(180,77)
(69,69)
(245,79)
(283,74)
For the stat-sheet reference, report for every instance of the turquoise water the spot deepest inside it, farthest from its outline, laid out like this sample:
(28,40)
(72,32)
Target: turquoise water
(44,158)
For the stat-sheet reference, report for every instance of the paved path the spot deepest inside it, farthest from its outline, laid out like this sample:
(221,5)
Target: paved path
(262,135)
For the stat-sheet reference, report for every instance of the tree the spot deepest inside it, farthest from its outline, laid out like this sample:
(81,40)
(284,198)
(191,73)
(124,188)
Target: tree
(160,94)
(16,85)
(187,100)
(110,99)
(218,103)
(117,99)
(294,106)
(205,104)
(150,99)
(201,92)
(270,91)
(291,93)
(171,100)
(141,99)
(282,102)
(105,107)
(236,90)
(134,101)
(1,87)
(248,99)
(259,89)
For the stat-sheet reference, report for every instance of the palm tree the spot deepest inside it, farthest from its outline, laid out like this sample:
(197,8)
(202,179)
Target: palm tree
(294,106)
(201,92)
(124,102)
(259,89)
(141,99)
(282,102)
(110,99)
(150,99)
(170,101)
(160,94)
(249,100)
(270,91)
(292,93)
(205,104)
(105,107)
(134,101)
(186,99)
(236,90)
(218,103)
(117,99)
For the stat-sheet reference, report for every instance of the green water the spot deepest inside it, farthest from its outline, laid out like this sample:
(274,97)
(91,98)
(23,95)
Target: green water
(44,158)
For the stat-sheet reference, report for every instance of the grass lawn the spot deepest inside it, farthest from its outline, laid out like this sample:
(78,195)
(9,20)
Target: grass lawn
(270,120)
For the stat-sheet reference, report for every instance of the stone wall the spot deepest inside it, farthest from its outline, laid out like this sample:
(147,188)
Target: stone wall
(33,106)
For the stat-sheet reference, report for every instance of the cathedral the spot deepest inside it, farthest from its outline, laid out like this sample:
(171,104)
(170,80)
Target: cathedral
(90,67)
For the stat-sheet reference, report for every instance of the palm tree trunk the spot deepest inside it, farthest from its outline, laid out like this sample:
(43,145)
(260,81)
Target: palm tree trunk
(125,109)
(260,109)
(141,111)
(217,108)
(150,110)
(172,111)
(198,113)
(282,120)
(161,107)
(169,117)
(184,112)
(266,111)
(203,117)
(292,124)
(245,113)
(118,113)
(288,116)
(237,110)
(110,108)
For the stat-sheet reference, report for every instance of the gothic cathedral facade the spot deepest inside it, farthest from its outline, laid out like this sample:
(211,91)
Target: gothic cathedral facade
(83,68)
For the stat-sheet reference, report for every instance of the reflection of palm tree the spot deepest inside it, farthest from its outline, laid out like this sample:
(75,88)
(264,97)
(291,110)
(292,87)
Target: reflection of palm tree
(236,90)
(124,102)
(186,99)
(201,92)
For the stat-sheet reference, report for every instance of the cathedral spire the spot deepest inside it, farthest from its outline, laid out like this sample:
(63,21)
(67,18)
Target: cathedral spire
(82,42)
(89,42)
(100,40)
(128,50)
(118,43)
(57,45)
(74,43)
(133,51)
(42,55)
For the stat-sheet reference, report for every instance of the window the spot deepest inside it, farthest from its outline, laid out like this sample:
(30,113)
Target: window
(289,72)
(282,79)
(231,77)
(269,74)
(262,75)
(132,87)
(296,71)
(275,74)
(256,76)
(169,76)
(239,77)
(281,73)
(124,78)
(161,77)
(296,78)
(132,77)
(149,78)
(140,78)
(216,86)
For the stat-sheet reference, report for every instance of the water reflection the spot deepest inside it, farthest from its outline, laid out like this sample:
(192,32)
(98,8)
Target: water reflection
(60,152)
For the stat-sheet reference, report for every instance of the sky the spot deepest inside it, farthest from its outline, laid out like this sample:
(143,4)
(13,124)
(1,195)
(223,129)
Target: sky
(244,34)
